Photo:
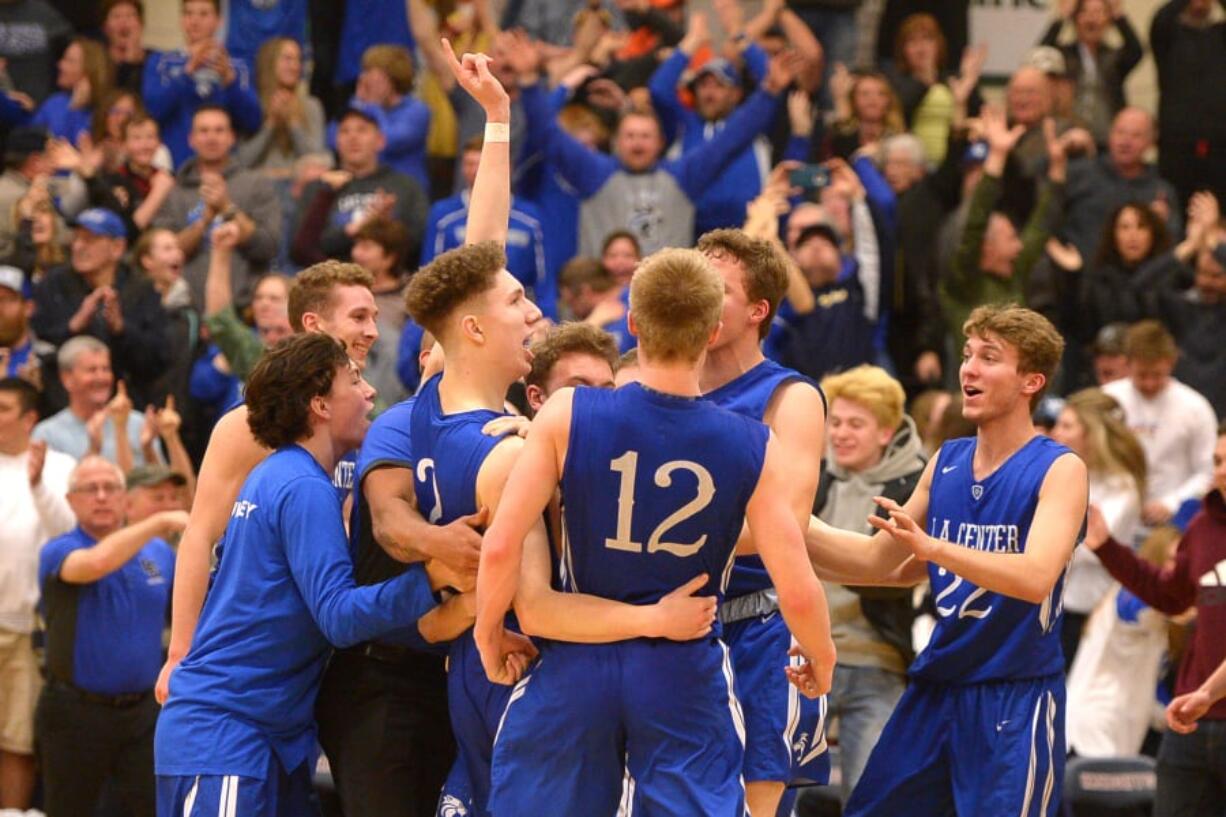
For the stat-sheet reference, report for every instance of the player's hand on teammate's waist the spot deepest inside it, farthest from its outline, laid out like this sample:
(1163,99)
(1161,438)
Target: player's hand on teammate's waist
(682,616)
(813,680)
(507,656)
(904,529)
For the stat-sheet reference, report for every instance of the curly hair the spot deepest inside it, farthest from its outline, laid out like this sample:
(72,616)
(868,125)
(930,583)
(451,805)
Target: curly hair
(575,338)
(312,290)
(436,290)
(1038,344)
(281,386)
(765,265)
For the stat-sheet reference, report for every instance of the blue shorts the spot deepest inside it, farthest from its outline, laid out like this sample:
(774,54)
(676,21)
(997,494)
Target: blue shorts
(785,732)
(475,705)
(277,795)
(664,711)
(991,750)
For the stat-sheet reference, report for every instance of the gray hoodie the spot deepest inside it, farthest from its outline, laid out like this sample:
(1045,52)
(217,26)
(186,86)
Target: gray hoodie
(846,501)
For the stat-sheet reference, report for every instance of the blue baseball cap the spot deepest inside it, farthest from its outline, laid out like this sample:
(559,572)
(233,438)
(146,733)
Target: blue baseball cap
(100,221)
(719,68)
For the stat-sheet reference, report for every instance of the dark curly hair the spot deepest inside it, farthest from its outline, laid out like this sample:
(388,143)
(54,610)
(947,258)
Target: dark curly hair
(765,266)
(436,290)
(281,386)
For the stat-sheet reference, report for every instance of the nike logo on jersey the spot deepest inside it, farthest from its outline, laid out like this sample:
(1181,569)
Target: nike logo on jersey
(948,468)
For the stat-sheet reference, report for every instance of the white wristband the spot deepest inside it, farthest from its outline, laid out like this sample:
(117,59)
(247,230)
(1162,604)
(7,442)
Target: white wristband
(497,132)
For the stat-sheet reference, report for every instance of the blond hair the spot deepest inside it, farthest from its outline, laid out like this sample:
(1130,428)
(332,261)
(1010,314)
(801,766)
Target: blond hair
(870,387)
(1112,447)
(1038,344)
(676,299)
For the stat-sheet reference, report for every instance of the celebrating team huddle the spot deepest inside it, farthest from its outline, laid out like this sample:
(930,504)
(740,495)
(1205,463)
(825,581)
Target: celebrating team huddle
(646,632)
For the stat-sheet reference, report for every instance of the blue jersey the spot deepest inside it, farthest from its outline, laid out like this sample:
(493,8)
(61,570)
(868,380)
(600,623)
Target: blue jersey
(982,635)
(367,23)
(449,450)
(654,492)
(749,395)
(284,595)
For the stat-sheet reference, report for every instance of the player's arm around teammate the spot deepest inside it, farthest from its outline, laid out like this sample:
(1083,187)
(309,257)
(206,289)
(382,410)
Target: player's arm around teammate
(1029,575)
(519,479)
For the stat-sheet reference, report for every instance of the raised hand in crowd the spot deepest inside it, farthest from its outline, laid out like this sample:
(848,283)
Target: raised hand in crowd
(963,84)
(782,71)
(1000,137)
(1057,154)
(225,237)
(36,458)
(214,193)
(800,113)
(93,429)
(844,181)
(697,34)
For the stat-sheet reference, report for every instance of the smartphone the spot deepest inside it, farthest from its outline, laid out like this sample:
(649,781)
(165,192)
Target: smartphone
(809,178)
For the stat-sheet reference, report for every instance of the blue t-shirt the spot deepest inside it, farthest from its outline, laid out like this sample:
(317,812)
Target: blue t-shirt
(654,491)
(367,23)
(249,23)
(982,635)
(106,636)
(284,595)
(749,395)
(525,245)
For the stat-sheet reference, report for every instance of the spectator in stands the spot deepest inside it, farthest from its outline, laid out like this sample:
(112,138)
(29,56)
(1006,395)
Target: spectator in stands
(366,24)
(21,353)
(1197,315)
(251,23)
(87,425)
(137,188)
(157,254)
(333,208)
(928,93)
(654,199)
(1097,69)
(1110,360)
(97,294)
(1092,425)
(178,83)
(525,243)
(212,189)
(1120,662)
(1097,186)
(384,91)
(1187,44)
(923,200)
(1190,766)
(379,248)
(293,120)
(37,36)
(716,87)
(153,489)
(85,78)
(874,450)
(40,234)
(1117,281)
(235,346)
(866,111)
(834,24)
(123,26)
(592,295)
(110,121)
(1174,424)
(33,509)
(993,263)
(26,165)
(105,592)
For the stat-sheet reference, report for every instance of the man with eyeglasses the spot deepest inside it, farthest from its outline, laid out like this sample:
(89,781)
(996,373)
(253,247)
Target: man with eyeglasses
(105,594)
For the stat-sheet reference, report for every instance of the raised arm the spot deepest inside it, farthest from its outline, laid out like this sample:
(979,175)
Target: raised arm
(108,554)
(1029,575)
(489,209)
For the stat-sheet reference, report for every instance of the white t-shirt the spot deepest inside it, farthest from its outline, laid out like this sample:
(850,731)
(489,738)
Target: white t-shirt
(1088,581)
(28,519)
(1178,431)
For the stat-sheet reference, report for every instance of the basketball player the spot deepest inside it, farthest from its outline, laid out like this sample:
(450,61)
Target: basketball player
(993,522)
(480,315)
(654,494)
(784,736)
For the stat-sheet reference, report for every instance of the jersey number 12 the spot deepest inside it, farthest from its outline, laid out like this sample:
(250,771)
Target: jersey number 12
(627,466)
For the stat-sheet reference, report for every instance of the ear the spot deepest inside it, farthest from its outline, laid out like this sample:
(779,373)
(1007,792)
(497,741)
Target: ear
(631,325)
(471,327)
(1033,383)
(758,311)
(715,334)
(310,321)
(536,397)
(319,408)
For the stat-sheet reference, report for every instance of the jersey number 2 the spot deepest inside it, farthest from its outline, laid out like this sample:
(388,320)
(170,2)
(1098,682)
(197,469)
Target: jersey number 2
(964,610)
(627,466)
